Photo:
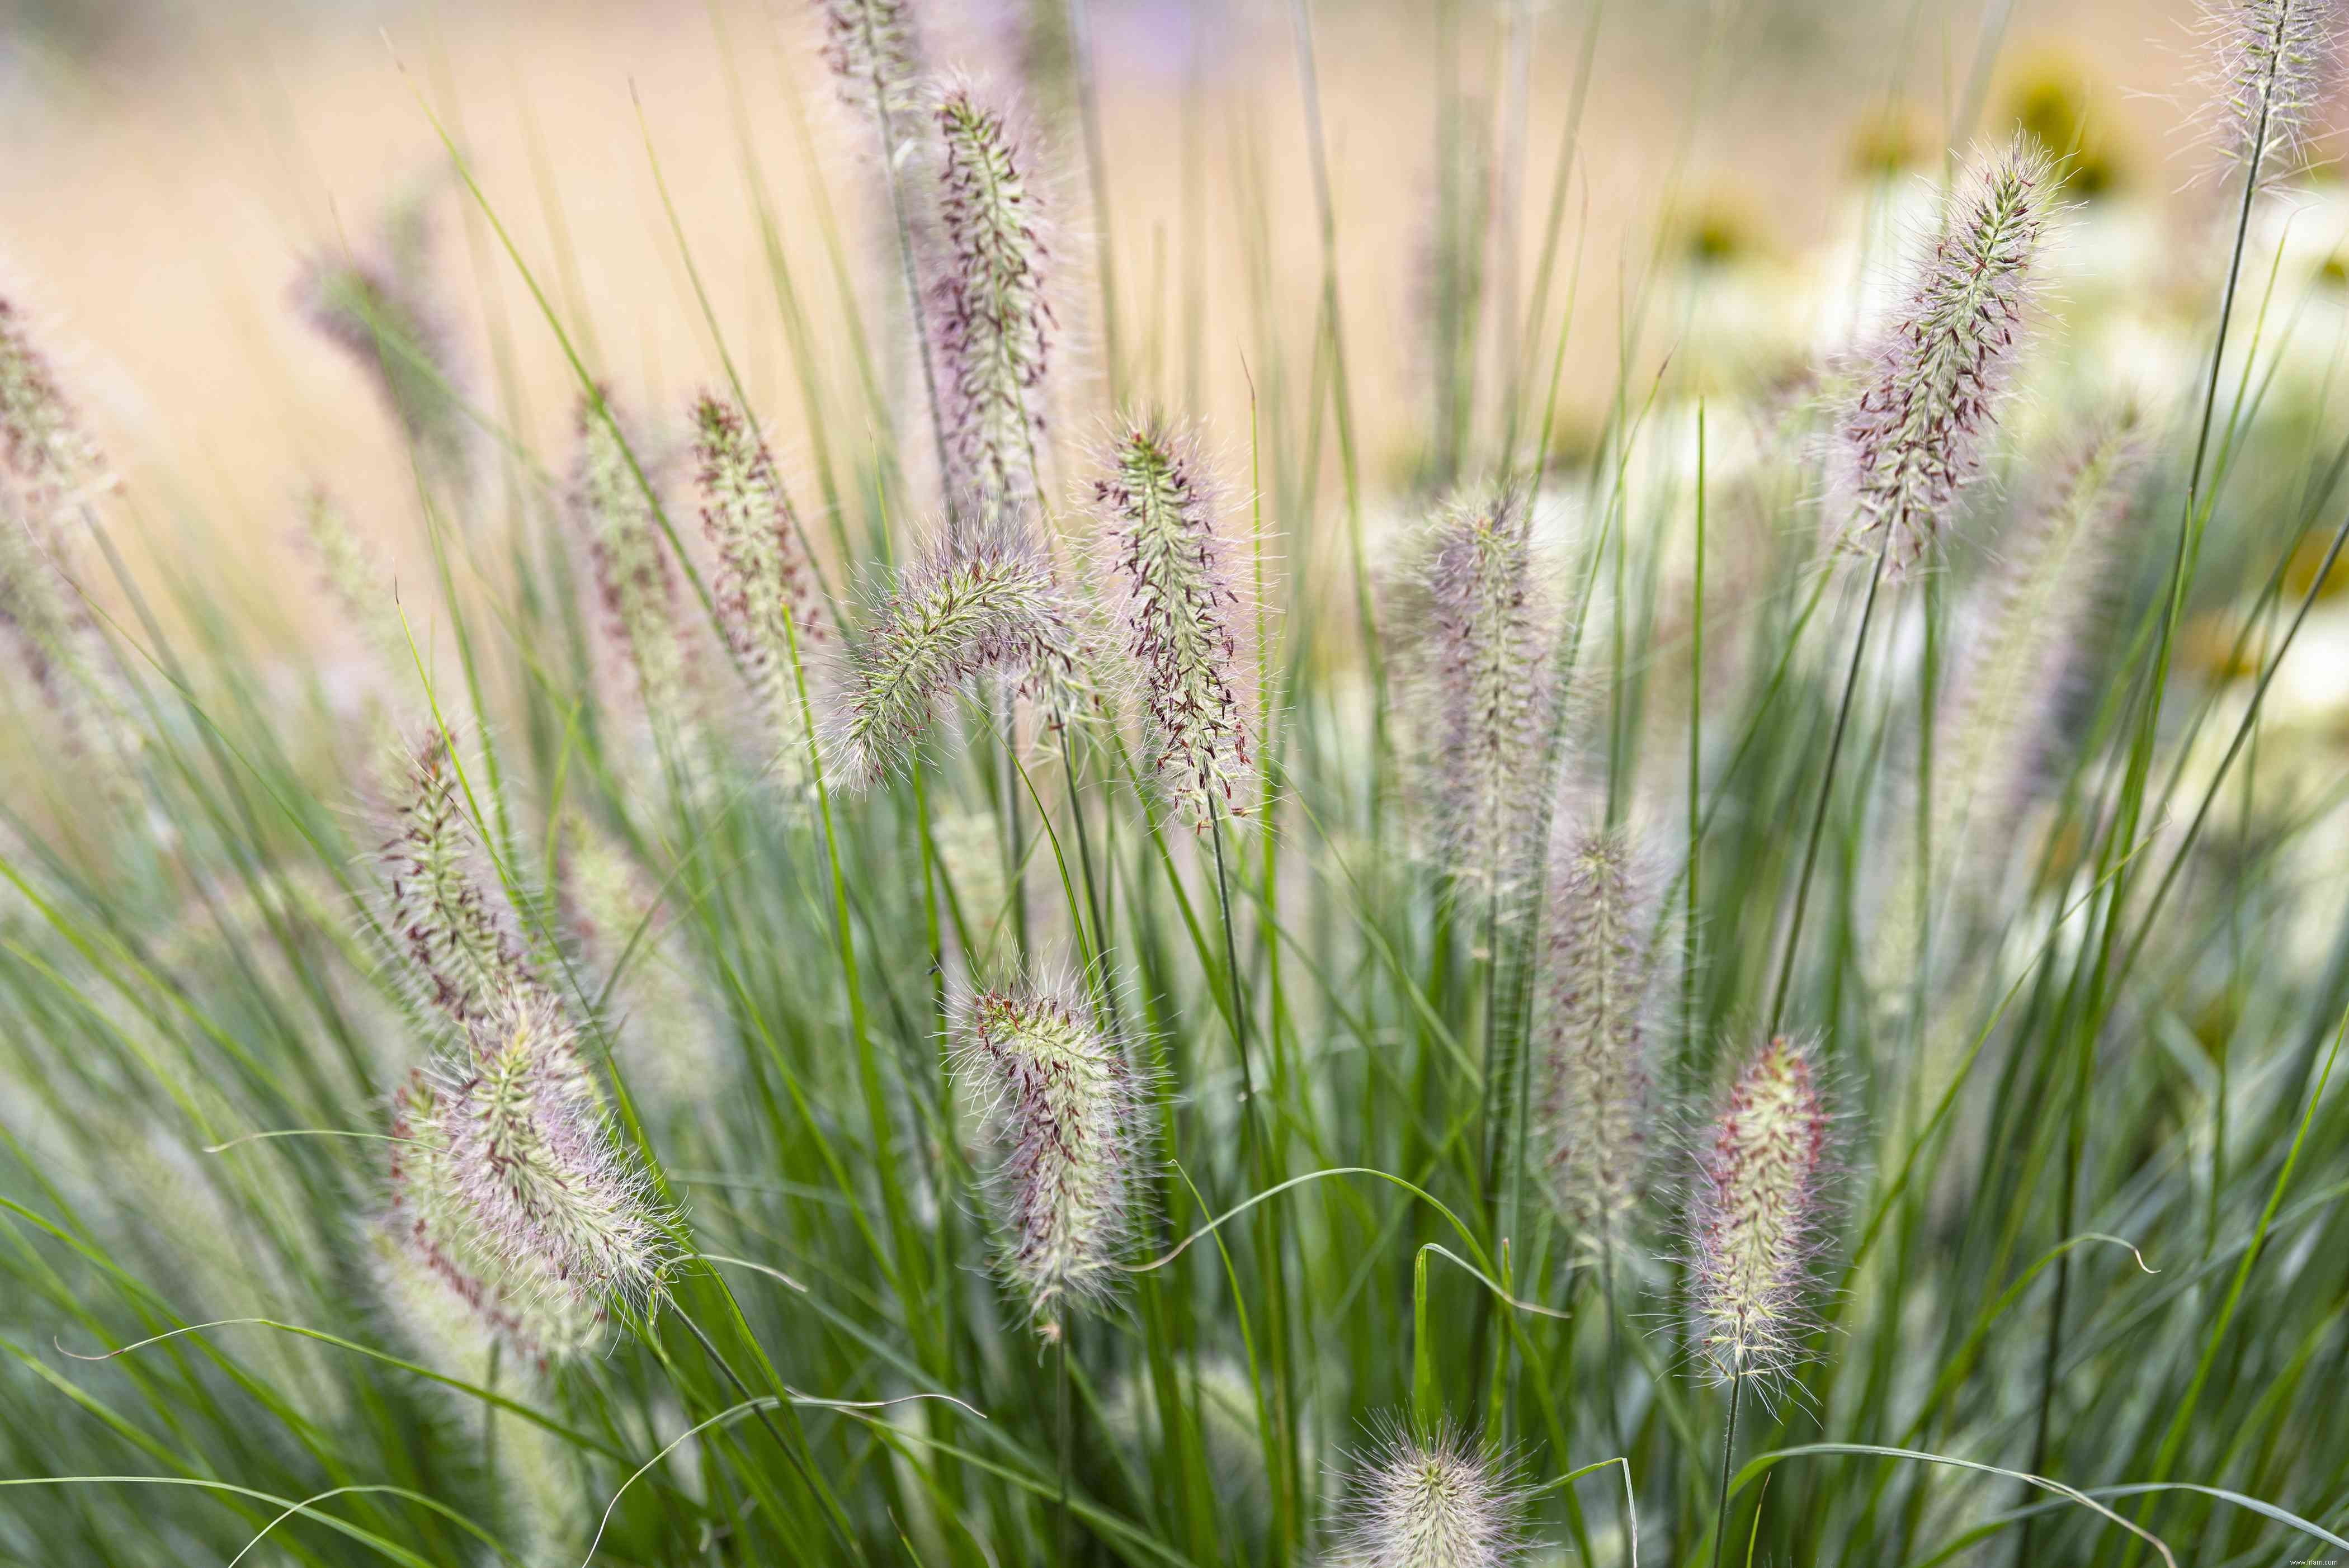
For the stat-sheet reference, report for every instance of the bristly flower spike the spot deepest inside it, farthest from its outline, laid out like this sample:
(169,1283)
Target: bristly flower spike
(1597,985)
(1487,698)
(2273,66)
(633,572)
(988,309)
(377,311)
(1757,1217)
(874,50)
(1184,620)
(548,1193)
(1063,1114)
(1431,1500)
(43,445)
(455,933)
(1912,437)
(978,604)
(764,599)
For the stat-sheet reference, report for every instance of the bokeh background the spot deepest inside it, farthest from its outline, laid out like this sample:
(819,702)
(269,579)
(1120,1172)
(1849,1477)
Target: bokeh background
(171,164)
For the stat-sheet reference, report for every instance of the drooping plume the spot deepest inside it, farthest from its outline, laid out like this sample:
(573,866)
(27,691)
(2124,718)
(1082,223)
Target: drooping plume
(1482,687)
(458,1303)
(2016,668)
(378,309)
(1757,1217)
(988,310)
(1062,1114)
(451,925)
(1431,1500)
(981,603)
(1598,983)
(2272,65)
(548,1194)
(1912,437)
(633,572)
(764,597)
(1184,621)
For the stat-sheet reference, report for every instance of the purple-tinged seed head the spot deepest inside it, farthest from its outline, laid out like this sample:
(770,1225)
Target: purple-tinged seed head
(1481,684)
(544,1187)
(989,312)
(1598,1000)
(1184,621)
(765,599)
(2270,67)
(614,510)
(451,924)
(1758,1215)
(874,52)
(1063,1115)
(1911,438)
(47,454)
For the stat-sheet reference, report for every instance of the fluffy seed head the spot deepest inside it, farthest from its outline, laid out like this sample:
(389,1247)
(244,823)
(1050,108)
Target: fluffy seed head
(1482,684)
(1182,617)
(1757,1216)
(2272,66)
(1434,1500)
(547,1192)
(988,309)
(874,50)
(453,929)
(380,314)
(48,455)
(988,602)
(1912,437)
(1063,1116)
(454,1298)
(764,597)
(616,518)
(1597,986)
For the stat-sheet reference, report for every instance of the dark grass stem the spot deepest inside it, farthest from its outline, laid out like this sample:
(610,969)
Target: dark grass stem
(1827,785)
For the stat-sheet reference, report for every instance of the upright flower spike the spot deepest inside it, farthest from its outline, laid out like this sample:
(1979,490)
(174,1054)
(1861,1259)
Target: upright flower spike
(48,455)
(764,599)
(455,932)
(1598,983)
(987,602)
(1062,1113)
(379,313)
(544,1187)
(1432,1500)
(2272,65)
(1912,437)
(1484,687)
(48,464)
(988,309)
(1183,617)
(1757,1217)
(633,574)
(874,52)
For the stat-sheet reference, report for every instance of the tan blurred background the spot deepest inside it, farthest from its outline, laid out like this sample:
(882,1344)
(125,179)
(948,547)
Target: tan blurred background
(169,163)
